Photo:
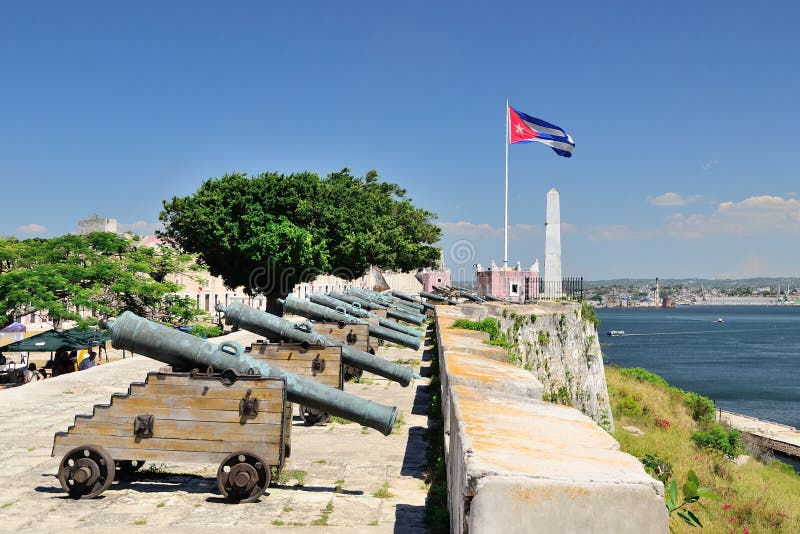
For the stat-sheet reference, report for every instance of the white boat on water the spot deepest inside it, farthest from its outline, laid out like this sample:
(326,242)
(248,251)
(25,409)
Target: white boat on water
(719,320)
(616,332)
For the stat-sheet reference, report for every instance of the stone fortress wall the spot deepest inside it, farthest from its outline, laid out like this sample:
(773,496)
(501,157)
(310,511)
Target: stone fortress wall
(518,464)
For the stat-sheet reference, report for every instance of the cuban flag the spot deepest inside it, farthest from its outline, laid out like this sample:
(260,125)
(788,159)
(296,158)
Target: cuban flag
(524,129)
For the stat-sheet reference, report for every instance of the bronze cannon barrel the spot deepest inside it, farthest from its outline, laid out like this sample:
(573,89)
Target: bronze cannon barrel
(437,298)
(322,313)
(131,332)
(411,298)
(266,324)
(357,311)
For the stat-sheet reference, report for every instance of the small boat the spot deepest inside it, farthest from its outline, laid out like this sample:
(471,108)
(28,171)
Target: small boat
(616,332)
(719,320)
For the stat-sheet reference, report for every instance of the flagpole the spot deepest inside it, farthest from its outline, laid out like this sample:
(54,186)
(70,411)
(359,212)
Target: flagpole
(505,220)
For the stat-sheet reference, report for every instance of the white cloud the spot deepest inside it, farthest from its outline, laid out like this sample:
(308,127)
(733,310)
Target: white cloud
(673,199)
(468,229)
(759,215)
(752,216)
(618,233)
(32,228)
(140,227)
(709,164)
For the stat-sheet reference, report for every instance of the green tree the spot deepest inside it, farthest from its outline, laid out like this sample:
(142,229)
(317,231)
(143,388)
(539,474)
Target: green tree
(272,231)
(101,272)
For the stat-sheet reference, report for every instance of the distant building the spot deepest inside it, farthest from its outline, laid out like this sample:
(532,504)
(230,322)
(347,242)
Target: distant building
(97,224)
(516,285)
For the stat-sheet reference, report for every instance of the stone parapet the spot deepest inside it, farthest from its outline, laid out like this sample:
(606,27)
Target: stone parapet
(518,464)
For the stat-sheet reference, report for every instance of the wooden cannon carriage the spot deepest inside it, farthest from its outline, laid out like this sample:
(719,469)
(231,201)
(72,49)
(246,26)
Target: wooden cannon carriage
(238,421)
(353,335)
(318,362)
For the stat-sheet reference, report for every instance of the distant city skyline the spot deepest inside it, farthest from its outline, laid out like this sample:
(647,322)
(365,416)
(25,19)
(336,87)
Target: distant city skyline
(685,129)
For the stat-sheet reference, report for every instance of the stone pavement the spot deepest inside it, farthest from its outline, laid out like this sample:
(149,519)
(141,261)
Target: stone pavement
(336,480)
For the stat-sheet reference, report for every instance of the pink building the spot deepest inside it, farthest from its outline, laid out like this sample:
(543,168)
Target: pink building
(516,285)
(429,279)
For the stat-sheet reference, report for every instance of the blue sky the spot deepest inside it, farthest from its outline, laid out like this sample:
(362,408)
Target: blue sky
(684,116)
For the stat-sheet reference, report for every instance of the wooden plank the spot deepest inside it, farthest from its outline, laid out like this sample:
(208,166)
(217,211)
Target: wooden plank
(142,404)
(203,391)
(178,413)
(170,429)
(103,414)
(213,382)
(209,444)
(269,453)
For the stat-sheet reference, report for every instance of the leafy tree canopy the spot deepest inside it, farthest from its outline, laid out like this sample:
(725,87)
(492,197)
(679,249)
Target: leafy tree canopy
(101,272)
(271,231)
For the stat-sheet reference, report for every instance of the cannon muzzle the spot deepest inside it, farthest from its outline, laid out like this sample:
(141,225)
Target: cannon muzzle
(266,324)
(131,332)
(388,300)
(317,312)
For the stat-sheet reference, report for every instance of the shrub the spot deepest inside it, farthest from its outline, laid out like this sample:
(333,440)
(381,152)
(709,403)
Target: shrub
(657,466)
(643,375)
(627,405)
(590,314)
(718,438)
(490,325)
(203,331)
(702,408)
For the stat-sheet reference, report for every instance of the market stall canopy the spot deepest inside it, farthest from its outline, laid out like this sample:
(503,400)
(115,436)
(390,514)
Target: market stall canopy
(67,340)
(13,328)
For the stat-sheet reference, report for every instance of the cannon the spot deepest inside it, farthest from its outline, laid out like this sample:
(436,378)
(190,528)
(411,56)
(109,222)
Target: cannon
(138,335)
(266,324)
(388,300)
(437,298)
(236,420)
(318,362)
(357,311)
(376,307)
(321,313)
(411,298)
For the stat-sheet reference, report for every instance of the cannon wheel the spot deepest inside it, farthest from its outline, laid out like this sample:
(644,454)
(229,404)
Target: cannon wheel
(128,467)
(243,477)
(86,471)
(312,416)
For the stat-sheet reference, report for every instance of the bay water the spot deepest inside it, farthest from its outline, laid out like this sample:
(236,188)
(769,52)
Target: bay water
(748,363)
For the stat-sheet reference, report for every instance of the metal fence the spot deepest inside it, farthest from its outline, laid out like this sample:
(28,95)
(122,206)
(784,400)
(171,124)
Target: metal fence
(567,289)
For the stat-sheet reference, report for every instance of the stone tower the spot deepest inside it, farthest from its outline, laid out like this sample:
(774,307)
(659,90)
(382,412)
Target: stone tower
(552,246)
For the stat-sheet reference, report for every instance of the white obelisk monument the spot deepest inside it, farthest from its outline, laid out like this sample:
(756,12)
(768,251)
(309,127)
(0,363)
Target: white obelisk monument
(552,246)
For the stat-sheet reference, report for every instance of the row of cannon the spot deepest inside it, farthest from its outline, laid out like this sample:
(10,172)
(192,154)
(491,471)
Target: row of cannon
(233,405)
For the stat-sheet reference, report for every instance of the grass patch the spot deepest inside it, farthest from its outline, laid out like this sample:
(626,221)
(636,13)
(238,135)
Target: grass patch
(298,475)
(162,504)
(761,497)
(287,509)
(139,522)
(400,421)
(278,523)
(490,325)
(7,504)
(363,380)
(373,523)
(323,461)
(339,420)
(437,516)
(407,361)
(339,485)
(383,492)
(322,520)
(589,314)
